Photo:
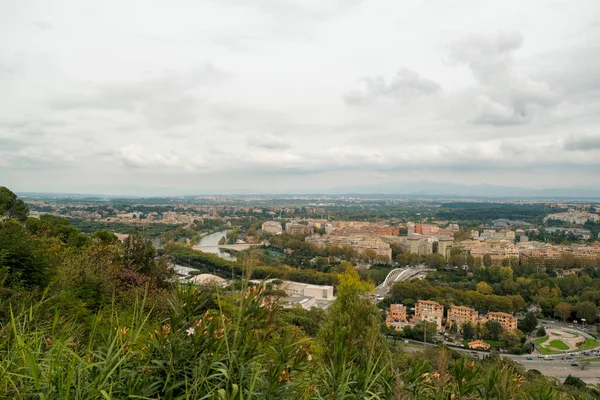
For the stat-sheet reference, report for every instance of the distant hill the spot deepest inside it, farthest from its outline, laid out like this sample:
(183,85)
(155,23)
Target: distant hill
(445,189)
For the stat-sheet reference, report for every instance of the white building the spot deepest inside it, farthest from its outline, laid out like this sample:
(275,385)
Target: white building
(319,292)
(273,227)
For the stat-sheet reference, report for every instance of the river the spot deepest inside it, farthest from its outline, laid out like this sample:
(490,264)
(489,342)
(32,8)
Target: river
(209,243)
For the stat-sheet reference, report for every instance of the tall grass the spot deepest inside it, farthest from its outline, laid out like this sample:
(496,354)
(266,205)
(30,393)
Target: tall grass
(234,351)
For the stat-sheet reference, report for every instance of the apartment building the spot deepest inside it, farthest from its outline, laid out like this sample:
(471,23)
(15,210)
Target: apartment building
(508,322)
(361,244)
(461,315)
(396,316)
(445,246)
(497,249)
(273,227)
(430,311)
(298,229)
(398,312)
(420,245)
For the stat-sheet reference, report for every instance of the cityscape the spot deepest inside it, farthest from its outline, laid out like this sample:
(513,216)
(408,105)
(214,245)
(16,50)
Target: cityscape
(300,200)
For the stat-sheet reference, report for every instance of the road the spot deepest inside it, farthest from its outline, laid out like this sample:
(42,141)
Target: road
(562,368)
(552,368)
(565,325)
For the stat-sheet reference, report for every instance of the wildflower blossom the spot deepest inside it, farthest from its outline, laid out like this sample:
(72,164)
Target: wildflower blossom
(190,331)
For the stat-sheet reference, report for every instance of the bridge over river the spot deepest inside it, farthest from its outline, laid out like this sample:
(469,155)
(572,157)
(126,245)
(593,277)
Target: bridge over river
(401,274)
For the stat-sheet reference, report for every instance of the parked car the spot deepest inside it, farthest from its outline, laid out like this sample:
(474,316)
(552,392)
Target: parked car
(540,355)
(575,364)
(530,358)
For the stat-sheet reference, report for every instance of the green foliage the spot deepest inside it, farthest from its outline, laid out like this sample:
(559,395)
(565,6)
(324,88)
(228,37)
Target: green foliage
(445,294)
(494,329)
(468,330)
(350,306)
(575,382)
(11,206)
(541,331)
(210,263)
(23,262)
(529,323)
(587,310)
(477,213)
(105,236)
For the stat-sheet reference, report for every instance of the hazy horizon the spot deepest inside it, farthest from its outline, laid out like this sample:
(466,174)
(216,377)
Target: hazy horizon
(287,96)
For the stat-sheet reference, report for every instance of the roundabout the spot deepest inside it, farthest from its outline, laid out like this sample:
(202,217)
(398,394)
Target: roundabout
(561,340)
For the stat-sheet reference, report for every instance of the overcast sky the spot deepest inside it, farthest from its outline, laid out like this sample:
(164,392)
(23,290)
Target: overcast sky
(215,96)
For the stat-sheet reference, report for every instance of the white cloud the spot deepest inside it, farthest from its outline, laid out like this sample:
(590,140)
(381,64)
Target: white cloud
(406,85)
(136,156)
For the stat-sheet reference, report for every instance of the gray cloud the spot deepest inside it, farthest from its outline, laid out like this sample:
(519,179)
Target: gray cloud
(583,143)
(37,159)
(167,100)
(406,85)
(509,96)
(490,112)
(9,145)
(488,56)
(573,70)
(268,142)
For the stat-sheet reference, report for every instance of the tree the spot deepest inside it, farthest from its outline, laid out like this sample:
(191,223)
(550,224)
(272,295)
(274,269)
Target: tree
(487,260)
(575,382)
(361,341)
(587,310)
(21,258)
(369,255)
(541,332)
(138,255)
(563,310)
(468,330)
(529,323)
(484,288)
(105,236)
(11,206)
(511,339)
(494,329)
(454,327)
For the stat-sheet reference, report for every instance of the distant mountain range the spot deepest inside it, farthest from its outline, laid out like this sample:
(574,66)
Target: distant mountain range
(405,189)
(445,189)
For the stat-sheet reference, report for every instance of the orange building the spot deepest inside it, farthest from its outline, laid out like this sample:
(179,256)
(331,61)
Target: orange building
(460,315)
(431,311)
(479,345)
(398,312)
(508,322)
(396,317)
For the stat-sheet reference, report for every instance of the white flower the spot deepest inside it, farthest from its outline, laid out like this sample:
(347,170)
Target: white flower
(190,331)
